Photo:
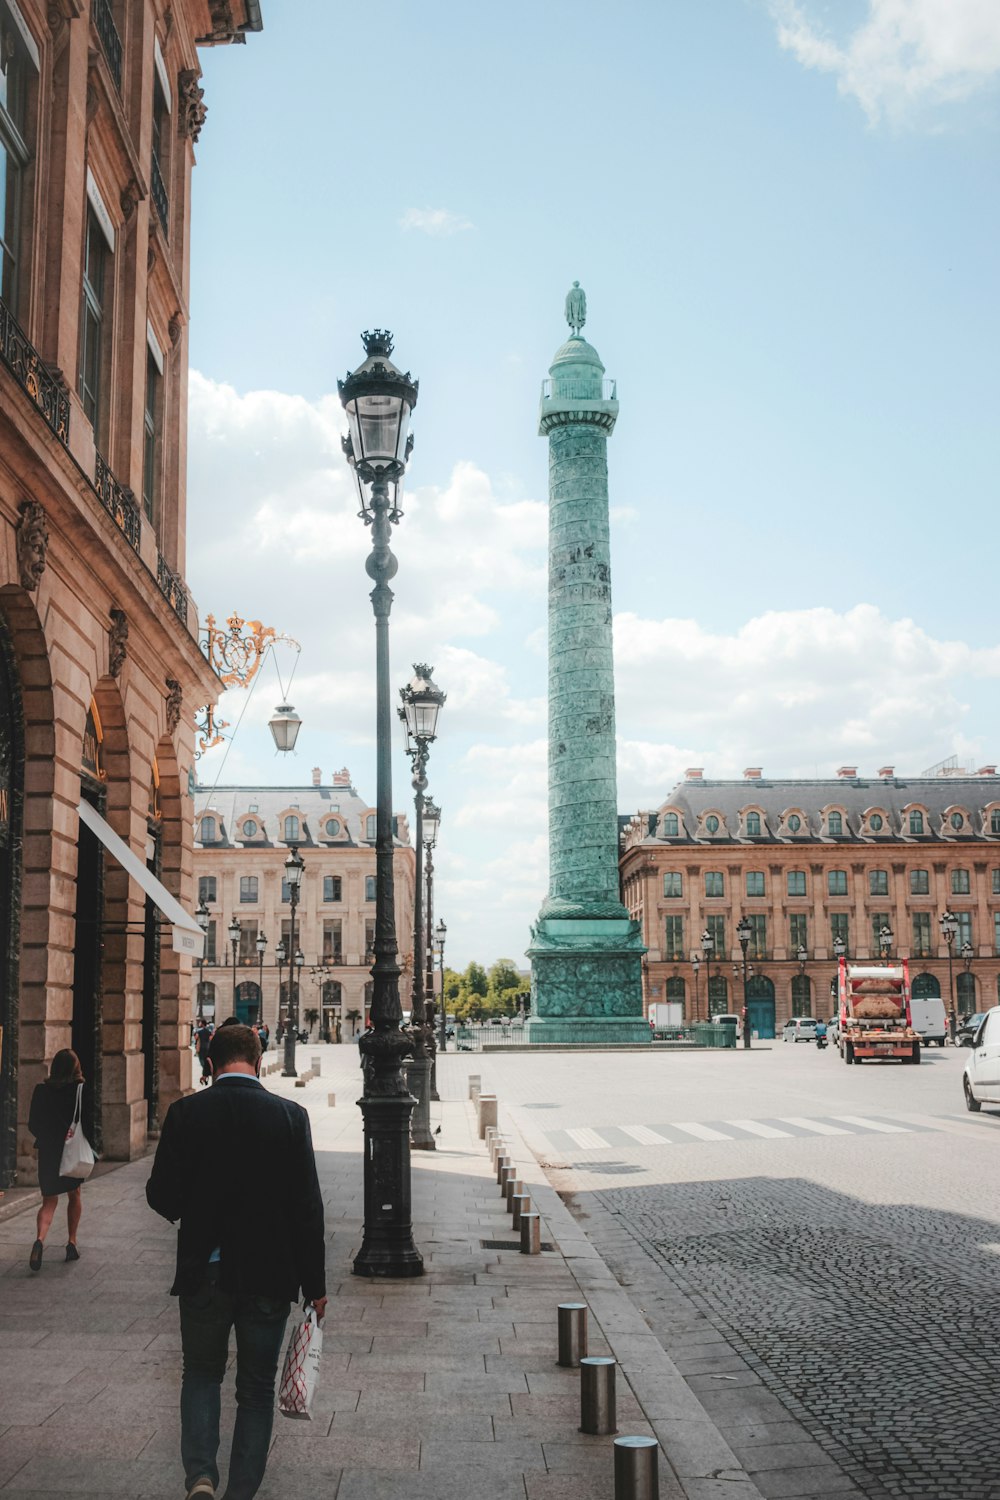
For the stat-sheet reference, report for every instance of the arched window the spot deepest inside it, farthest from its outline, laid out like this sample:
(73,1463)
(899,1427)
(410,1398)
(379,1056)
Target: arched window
(916,822)
(801,995)
(965,988)
(753,825)
(675,990)
(291,830)
(925,987)
(206,1000)
(669,825)
(370,830)
(835,824)
(995,827)
(718,996)
(207,832)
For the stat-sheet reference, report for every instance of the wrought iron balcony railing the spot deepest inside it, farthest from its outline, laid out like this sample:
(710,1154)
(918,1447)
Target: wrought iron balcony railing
(172,588)
(119,502)
(104,25)
(29,370)
(159,194)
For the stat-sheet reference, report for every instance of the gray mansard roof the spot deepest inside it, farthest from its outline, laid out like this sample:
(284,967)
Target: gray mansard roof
(860,802)
(268,805)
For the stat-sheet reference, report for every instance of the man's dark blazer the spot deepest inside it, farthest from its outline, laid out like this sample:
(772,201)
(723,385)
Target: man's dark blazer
(235,1164)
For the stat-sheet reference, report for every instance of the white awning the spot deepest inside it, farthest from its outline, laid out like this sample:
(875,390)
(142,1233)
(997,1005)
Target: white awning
(187,935)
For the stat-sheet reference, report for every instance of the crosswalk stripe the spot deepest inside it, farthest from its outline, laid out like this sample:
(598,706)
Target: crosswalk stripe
(702,1132)
(587,1138)
(645,1136)
(865,1124)
(754,1127)
(817,1127)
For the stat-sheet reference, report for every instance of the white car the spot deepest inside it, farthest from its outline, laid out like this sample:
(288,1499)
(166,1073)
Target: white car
(981,1079)
(799,1029)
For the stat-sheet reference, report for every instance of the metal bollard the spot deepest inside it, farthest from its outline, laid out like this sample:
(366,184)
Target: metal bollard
(597,1395)
(520,1204)
(637,1462)
(487,1113)
(531,1234)
(316,1064)
(508,1176)
(475,1079)
(491,1132)
(331,1100)
(497,1144)
(503,1162)
(572,1333)
(511,1186)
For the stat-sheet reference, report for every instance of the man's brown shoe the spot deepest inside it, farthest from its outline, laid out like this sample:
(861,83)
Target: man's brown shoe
(202,1489)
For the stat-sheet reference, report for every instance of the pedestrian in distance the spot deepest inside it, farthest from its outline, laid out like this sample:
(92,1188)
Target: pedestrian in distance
(242,1257)
(53,1105)
(202,1042)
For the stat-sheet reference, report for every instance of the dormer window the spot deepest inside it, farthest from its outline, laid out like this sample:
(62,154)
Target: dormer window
(208,834)
(332,828)
(835,824)
(957,822)
(669,825)
(794,823)
(875,822)
(370,832)
(292,834)
(916,824)
(249,828)
(711,823)
(753,825)
(995,820)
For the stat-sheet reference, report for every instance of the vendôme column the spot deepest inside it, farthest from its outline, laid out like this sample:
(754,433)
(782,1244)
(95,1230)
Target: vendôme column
(586,952)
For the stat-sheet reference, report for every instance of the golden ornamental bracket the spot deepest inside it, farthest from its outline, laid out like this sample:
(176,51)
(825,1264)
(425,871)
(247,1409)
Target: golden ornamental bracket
(235,654)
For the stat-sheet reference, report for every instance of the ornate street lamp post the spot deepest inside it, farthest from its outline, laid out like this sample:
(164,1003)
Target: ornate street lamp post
(378,400)
(440,932)
(261,948)
(202,916)
(432,822)
(967,957)
(743,931)
(948,923)
(235,929)
(422,702)
(707,949)
(294,866)
(695,970)
(280,954)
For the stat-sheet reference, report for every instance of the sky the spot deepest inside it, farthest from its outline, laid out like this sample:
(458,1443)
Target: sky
(785,219)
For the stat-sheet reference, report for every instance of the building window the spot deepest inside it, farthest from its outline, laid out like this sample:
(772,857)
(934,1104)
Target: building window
(15,72)
(206,889)
(959,882)
(753,825)
(794,823)
(878,882)
(675,991)
(150,441)
(801,995)
(332,948)
(879,919)
(835,824)
(919,883)
(712,823)
(838,928)
(674,940)
(669,829)
(248,943)
(757,947)
(836,882)
(210,957)
(797,931)
(369,940)
(921,934)
(672,883)
(96,256)
(875,822)
(249,829)
(796,882)
(286,891)
(996,945)
(755,882)
(332,886)
(291,830)
(964,932)
(332,828)
(369,887)
(957,821)
(248,889)
(370,826)
(207,834)
(916,823)
(995,878)
(965,989)
(995,820)
(716,929)
(715,883)
(718,996)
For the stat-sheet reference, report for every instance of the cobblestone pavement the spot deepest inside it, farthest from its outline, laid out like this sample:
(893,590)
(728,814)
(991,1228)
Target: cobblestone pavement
(833,1302)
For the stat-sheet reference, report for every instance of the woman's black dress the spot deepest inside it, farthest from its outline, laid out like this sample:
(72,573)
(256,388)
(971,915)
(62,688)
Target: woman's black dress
(51,1113)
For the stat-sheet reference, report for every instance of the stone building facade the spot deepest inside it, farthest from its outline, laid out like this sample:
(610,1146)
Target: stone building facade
(100,667)
(242,838)
(807,862)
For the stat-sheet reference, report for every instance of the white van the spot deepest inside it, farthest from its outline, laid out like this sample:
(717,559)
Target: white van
(930,1020)
(729,1020)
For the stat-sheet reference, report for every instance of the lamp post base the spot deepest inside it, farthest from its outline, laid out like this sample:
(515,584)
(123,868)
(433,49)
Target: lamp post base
(288,1071)
(388,1248)
(418,1071)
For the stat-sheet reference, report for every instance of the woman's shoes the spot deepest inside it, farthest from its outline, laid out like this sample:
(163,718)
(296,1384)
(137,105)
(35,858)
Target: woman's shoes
(35,1258)
(72,1253)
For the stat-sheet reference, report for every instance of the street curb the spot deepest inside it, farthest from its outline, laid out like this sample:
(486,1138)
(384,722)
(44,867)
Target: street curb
(690,1440)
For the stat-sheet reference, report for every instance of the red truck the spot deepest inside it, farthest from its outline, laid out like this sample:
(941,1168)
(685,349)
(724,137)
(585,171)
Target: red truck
(874,1012)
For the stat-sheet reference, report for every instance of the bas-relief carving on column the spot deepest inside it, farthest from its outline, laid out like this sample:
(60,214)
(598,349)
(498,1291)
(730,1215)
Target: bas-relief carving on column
(32,540)
(174,698)
(588,986)
(117,638)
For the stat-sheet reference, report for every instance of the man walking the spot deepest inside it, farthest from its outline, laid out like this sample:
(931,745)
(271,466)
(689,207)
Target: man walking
(242,1258)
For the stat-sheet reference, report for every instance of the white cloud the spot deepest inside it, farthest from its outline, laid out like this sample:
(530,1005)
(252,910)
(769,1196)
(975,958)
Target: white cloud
(434,221)
(905,56)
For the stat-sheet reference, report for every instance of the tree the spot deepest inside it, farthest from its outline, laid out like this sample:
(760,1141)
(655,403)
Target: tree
(474,980)
(503,975)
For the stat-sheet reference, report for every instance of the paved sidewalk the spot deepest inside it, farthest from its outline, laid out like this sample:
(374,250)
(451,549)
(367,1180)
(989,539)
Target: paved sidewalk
(444,1386)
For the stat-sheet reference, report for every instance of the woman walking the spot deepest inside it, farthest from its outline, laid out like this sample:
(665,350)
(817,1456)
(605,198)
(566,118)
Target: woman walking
(53,1105)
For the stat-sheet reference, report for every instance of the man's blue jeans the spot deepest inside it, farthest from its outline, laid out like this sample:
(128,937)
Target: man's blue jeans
(207,1319)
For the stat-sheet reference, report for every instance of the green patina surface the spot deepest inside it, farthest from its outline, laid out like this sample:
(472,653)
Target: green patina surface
(585,950)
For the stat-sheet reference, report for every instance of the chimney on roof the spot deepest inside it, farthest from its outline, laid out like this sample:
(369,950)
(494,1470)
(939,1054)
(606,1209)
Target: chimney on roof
(317,776)
(847,773)
(341,777)
(886,773)
(693,773)
(753,773)
(987,771)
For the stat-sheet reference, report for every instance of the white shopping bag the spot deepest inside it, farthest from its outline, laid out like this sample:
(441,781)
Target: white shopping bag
(78,1157)
(301,1368)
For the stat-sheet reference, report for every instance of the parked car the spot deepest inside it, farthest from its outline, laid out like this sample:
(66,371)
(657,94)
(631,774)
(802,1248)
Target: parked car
(968,1027)
(833,1031)
(799,1029)
(981,1078)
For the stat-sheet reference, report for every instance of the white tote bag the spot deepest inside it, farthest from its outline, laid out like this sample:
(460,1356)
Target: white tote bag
(301,1368)
(78,1154)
